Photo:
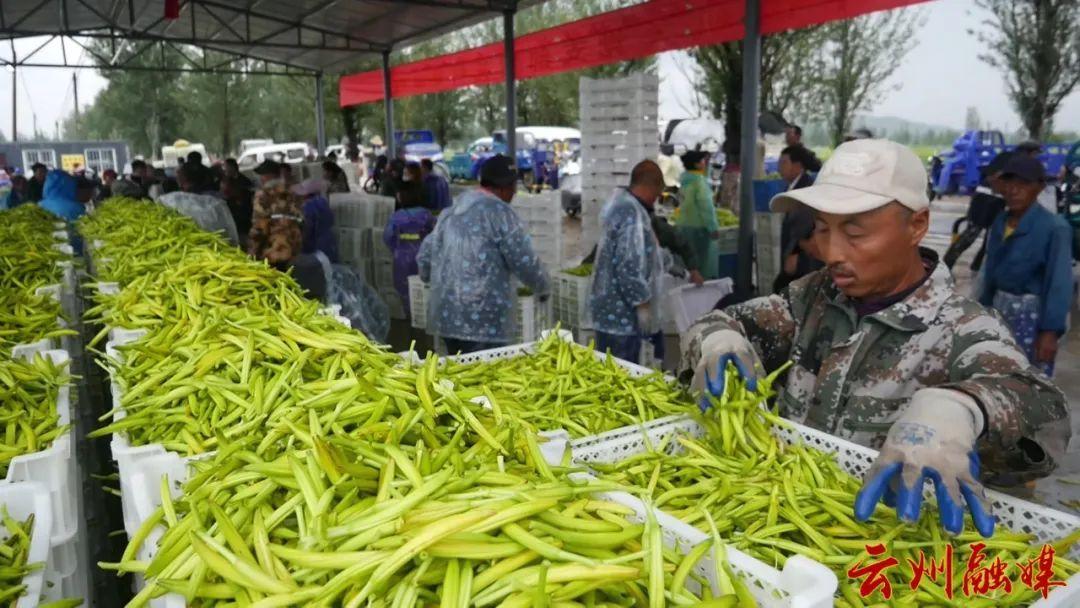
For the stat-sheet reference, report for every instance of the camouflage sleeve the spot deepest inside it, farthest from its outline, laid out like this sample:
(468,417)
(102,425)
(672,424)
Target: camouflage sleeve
(1027,418)
(260,225)
(767,322)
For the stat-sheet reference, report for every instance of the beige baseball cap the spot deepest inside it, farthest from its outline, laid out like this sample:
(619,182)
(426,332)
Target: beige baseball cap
(862,175)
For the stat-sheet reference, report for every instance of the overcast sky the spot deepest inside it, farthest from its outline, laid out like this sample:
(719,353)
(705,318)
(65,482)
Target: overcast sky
(936,81)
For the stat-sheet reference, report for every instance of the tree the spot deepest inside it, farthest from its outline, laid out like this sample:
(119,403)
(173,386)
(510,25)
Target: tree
(856,59)
(786,78)
(1036,43)
(972,122)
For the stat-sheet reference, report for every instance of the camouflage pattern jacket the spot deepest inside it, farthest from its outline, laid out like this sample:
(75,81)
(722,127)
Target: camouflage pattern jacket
(850,377)
(276,235)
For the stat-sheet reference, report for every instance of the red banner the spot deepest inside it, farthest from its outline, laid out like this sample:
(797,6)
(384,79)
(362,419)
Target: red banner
(629,33)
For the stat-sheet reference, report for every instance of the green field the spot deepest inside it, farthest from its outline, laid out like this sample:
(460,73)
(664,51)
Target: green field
(924,152)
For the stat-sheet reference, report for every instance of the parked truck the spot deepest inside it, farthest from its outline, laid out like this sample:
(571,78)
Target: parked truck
(958,169)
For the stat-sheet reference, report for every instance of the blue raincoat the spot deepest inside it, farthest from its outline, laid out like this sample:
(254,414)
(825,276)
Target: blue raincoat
(478,245)
(404,234)
(628,268)
(59,196)
(319,227)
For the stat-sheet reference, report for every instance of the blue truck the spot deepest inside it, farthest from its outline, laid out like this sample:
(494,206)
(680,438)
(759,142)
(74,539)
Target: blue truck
(539,152)
(957,170)
(418,144)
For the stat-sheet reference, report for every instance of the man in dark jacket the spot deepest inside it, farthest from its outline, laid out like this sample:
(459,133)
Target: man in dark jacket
(796,246)
(793,137)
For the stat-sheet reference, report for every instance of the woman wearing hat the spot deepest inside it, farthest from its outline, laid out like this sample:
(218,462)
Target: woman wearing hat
(697,215)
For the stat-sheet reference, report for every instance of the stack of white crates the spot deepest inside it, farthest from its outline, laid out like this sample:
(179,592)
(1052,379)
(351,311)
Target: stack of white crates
(618,130)
(359,220)
(541,215)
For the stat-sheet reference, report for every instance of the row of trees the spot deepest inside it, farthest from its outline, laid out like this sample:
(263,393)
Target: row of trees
(820,76)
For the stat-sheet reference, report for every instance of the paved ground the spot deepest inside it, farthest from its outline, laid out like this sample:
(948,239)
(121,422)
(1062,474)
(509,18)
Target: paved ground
(1057,490)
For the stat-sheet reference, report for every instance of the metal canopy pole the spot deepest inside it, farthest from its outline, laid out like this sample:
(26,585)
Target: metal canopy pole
(320,115)
(751,81)
(391,145)
(14,107)
(511,88)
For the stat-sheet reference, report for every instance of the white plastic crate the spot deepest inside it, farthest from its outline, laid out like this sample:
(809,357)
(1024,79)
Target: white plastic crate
(66,576)
(23,500)
(1046,524)
(729,240)
(594,139)
(418,296)
(639,80)
(621,166)
(143,488)
(570,300)
(384,275)
(54,467)
(797,584)
(687,303)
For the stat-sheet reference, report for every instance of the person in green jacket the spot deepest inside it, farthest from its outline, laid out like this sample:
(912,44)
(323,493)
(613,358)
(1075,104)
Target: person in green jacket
(697,216)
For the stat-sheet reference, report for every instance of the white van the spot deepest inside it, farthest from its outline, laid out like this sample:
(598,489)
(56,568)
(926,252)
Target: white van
(292,153)
(173,155)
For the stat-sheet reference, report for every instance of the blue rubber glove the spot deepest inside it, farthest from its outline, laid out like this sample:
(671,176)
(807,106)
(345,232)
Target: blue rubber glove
(934,439)
(717,350)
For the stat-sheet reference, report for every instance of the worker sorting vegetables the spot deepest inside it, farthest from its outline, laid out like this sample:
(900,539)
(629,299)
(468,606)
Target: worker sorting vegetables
(886,353)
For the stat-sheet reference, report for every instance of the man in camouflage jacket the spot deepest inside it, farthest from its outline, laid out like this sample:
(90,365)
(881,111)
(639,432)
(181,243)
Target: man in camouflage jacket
(276,234)
(885,352)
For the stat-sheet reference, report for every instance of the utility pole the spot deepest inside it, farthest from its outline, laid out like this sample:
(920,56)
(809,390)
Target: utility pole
(75,87)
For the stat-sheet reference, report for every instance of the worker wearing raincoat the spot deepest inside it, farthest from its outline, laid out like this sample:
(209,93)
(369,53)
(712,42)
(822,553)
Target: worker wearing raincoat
(628,269)
(59,196)
(478,246)
(697,216)
(404,233)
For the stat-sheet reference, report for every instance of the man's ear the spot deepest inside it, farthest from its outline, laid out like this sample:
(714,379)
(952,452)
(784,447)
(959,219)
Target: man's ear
(919,224)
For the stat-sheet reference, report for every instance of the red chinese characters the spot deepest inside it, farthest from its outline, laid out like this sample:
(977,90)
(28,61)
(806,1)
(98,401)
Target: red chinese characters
(873,574)
(979,579)
(936,569)
(1038,574)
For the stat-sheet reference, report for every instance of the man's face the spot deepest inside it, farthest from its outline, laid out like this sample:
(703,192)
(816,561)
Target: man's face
(790,137)
(231,170)
(266,177)
(789,170)
(865,252)
(39,174)
(1019,194)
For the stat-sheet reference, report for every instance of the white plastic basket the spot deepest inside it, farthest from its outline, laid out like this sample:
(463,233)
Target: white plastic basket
(418,295)
(1046,524)
(803,583)
(54,467)
(687,303)
(23,500)
(570,300)
(142,488)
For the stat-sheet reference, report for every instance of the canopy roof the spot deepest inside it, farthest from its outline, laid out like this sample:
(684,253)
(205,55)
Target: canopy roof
(305,35)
